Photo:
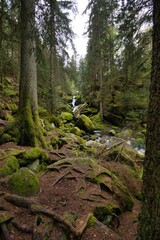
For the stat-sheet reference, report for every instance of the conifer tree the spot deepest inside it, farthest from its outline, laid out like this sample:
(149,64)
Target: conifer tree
(29,122)
(149,225)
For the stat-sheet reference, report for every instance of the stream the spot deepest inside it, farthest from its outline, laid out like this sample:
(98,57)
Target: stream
(107,140)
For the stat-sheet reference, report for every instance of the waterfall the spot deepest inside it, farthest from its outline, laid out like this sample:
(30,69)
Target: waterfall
(74,103)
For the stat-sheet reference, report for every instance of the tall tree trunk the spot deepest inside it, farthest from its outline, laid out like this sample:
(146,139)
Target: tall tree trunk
(53,56)
(1,45)
(149,226)
(29,123)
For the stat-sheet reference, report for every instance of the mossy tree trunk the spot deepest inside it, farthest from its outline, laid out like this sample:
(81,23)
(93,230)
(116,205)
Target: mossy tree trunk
(29,122)
(149,226)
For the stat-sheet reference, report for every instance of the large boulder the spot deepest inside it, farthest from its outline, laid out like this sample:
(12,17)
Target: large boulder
(85,123)
(31,155)
(8,166)
(24,182)
(66,116)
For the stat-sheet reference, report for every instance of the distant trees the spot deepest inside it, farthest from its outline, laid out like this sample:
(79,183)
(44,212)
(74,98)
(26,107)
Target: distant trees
(149,226)
(118,57)
(9,38)
(56,33)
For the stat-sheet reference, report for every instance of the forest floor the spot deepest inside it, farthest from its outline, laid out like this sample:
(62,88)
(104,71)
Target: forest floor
(58,195)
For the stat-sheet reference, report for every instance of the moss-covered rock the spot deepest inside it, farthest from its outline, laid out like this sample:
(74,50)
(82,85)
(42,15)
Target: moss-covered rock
(96,119)
(74,140)
(10,133)
(57,142)
(9,166)
(5,137)
(66,116)
(24,182)
(90,111)
(67,127)
(29,156)
(85,123)
(76,131)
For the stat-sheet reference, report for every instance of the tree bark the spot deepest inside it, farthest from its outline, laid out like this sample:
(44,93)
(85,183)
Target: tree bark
(29,122)
(149,225)
(1,41)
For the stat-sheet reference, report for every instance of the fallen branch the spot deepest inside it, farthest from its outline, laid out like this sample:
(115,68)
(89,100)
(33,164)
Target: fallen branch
(106,149)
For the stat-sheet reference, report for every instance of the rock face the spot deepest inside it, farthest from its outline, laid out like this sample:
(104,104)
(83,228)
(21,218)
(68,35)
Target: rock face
(85,123)
(24,182)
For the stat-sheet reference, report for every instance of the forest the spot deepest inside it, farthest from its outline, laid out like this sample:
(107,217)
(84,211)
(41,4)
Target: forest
(79,136)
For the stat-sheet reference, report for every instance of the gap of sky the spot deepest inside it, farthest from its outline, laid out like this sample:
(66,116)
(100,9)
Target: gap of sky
(79,25)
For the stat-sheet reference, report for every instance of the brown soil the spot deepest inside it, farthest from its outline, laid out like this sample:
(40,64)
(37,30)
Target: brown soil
(68,195)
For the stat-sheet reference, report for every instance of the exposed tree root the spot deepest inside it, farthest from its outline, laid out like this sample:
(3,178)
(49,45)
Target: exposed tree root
(36,208)
(22,228)
(60,177)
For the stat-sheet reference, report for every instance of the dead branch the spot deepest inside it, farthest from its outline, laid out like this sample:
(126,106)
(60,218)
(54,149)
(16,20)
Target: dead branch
(106,149)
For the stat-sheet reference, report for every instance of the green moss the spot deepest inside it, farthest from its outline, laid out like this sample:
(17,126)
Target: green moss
(67,127)
(140,174)
(27,127)
(30,129)
(5,138)
(75,141)
(42,112)
(139,195)
(66,116)
(33,154)
(76,131)
(2,154)
(85,123)
(4,216)
(9,117)
(57,142)
(10,92)
(24,183)
(91,221)
(10,166)
(123,195)
(98,124)
(55,119)
(104,214)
